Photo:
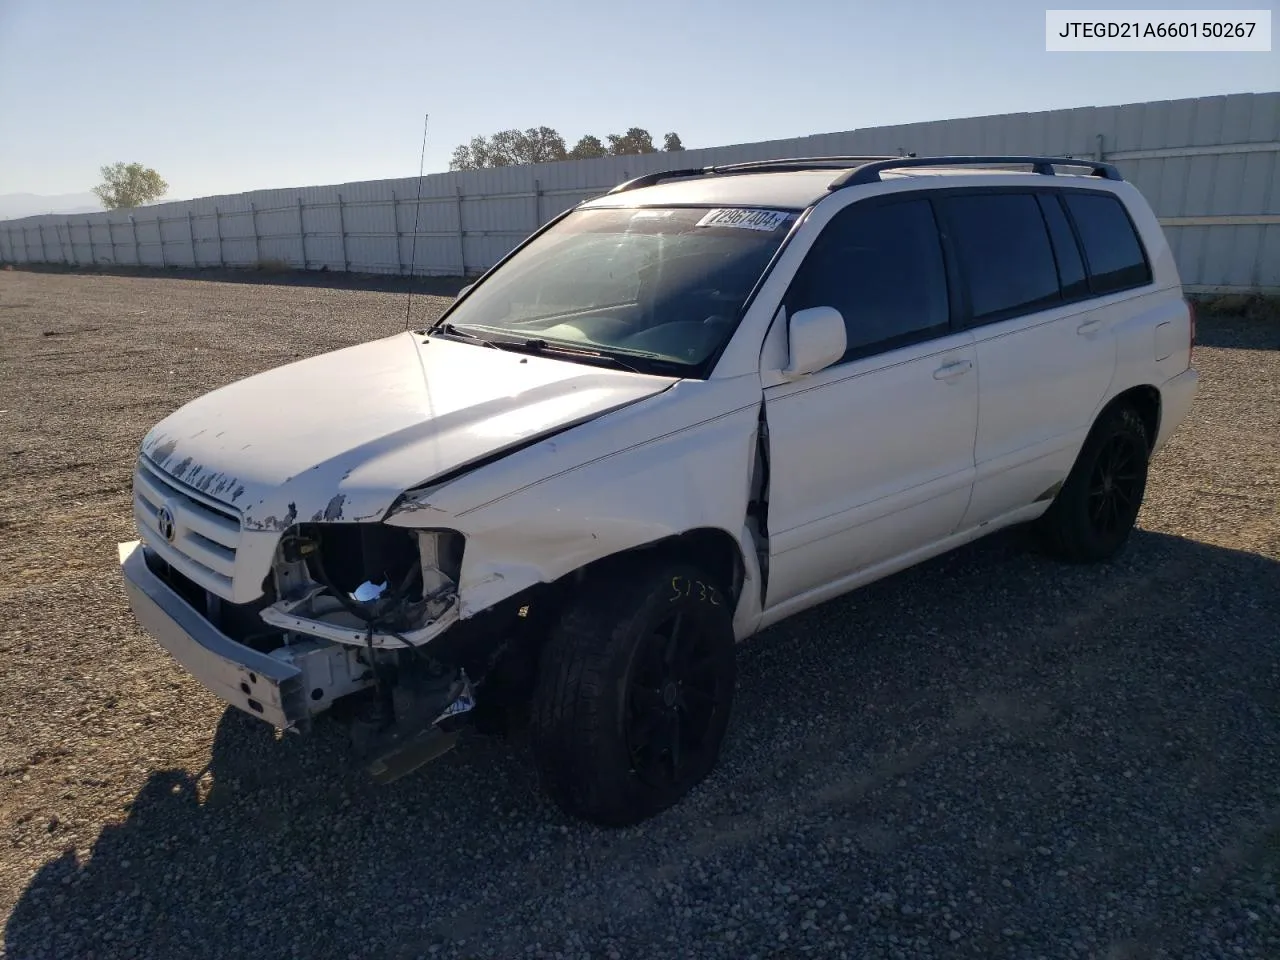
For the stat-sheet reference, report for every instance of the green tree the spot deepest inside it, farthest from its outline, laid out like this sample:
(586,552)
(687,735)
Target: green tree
(588,148)
(508,148)
(129,185)
(636,140)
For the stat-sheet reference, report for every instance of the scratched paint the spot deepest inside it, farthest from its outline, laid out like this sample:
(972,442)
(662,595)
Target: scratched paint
(161,452)
(332,512)
(273,523)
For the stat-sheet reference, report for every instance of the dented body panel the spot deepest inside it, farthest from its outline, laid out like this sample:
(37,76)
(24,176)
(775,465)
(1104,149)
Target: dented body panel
(678,461)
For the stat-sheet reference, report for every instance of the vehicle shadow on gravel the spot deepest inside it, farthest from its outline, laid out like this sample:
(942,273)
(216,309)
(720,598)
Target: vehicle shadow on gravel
(956,715)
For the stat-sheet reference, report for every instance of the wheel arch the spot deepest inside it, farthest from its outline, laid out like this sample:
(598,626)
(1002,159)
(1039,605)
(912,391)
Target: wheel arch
(1145,401)
(714,549)
(511,634)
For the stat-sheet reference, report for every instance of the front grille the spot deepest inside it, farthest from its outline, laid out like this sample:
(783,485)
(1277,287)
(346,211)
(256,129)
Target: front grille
(204,536)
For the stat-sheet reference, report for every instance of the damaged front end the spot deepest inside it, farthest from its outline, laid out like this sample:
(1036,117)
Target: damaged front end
(345,617)
(374,595)
(367,584)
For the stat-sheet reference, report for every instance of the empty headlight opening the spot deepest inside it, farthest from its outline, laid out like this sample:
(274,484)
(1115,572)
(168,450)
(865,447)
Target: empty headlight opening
(359,574)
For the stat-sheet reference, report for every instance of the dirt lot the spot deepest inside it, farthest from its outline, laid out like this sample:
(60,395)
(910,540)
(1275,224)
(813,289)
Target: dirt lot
(989,756)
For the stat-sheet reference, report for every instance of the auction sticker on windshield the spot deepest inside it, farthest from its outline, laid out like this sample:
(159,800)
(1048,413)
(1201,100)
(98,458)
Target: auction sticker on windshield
(763,220)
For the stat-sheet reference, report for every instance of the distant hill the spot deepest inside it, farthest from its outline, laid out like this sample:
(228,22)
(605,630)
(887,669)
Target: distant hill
(14,205)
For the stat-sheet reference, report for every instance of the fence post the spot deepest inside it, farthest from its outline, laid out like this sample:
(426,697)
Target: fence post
(302,234)
(537,204)
(93,253)
(44,251)
(62,249)
(462,243)
(217,223)
(137,250)
(71,242)
(342,234)
(395,233)
(253,220)
(160,237)
(191,238)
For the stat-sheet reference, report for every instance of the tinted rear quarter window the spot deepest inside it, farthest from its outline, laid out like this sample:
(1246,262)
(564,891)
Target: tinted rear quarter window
(1112,249)
(1004,252)
(881,266)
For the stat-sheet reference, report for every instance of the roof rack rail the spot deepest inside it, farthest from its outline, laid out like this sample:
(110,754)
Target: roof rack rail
(749,166)
(649,179)
(870,172)
(796,163)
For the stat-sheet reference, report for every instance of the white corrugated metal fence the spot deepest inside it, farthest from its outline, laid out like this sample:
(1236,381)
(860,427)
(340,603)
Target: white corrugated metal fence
(1209,166)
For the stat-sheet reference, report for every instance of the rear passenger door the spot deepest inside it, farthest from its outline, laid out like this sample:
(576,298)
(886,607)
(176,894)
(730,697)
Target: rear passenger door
(872,457)
(1045,355)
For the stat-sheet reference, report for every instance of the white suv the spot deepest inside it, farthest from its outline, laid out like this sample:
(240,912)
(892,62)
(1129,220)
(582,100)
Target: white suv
(674,416)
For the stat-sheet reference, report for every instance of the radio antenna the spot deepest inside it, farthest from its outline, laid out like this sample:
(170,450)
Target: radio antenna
(417,209)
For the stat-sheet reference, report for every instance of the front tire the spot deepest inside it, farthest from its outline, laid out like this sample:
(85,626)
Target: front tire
(633,692)
(1094,512)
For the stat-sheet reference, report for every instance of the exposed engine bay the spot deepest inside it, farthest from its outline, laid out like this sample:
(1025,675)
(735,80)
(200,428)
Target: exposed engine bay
(365,583)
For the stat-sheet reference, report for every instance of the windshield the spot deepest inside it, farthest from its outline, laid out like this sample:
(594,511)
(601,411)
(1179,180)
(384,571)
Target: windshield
(635,285)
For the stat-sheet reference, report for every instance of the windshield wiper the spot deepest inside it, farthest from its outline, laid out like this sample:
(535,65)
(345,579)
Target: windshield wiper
(454,331)
(552,348)
(662,364)
(544,346)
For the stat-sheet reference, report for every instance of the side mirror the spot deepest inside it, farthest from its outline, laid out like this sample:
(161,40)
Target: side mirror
(463,292)
(815,339)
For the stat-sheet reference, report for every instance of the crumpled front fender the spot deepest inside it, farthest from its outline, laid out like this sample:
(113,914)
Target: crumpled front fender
(592,494)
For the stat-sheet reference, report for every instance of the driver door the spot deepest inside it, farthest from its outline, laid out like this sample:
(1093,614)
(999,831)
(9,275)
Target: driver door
(871,458)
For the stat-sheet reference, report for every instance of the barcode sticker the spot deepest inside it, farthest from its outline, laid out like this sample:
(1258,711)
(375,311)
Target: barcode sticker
(763,220)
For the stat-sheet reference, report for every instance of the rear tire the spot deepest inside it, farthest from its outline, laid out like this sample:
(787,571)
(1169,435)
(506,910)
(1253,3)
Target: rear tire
(1094,512)
(634,691)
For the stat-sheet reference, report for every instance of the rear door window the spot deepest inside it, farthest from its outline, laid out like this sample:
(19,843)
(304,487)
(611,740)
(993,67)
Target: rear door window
(1065,249)
(1112,250)
(1004,251)
(880,264)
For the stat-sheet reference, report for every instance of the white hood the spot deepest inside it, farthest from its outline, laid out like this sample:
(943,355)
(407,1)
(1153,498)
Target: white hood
(340,436)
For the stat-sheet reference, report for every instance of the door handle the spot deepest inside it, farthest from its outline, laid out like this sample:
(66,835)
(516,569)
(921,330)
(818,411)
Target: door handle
(1089,327)
(950,371)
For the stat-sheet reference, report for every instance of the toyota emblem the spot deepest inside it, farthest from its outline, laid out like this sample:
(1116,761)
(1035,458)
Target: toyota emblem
(165,523)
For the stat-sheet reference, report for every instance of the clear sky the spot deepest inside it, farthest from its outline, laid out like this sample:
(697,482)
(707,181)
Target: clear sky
(222,96)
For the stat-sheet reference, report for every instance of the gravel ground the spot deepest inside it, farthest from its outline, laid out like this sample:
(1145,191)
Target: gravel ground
(988,756)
